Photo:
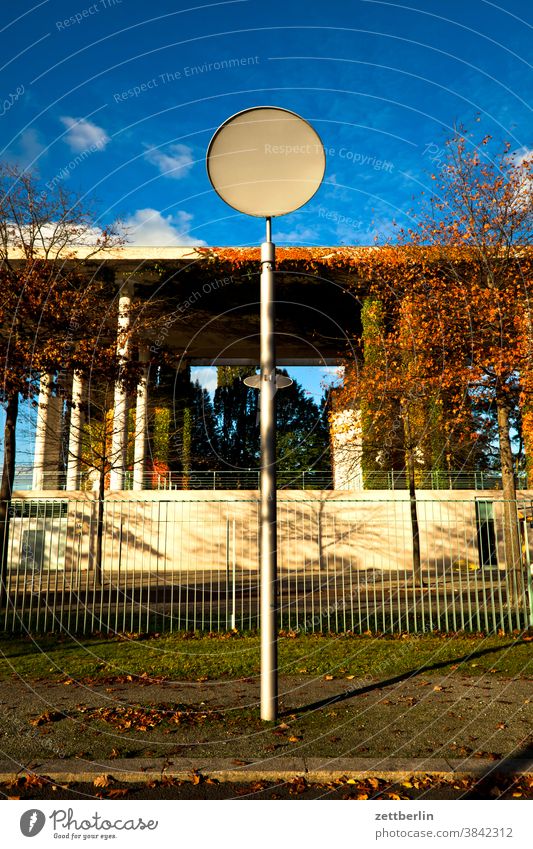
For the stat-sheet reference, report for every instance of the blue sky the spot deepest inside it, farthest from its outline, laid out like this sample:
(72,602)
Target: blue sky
(118,100)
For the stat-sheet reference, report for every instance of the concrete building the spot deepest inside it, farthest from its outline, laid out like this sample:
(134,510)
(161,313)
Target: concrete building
(209,319)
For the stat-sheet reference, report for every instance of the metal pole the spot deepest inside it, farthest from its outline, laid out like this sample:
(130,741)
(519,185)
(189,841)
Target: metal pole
(227,572)
(233,579)
(268,555)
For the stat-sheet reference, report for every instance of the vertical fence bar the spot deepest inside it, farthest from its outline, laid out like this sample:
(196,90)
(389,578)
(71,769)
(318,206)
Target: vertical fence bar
(507,606)
(428,562)
(144,553)
(398,580)
(304,571)
(350,565)
(312,569)
(213,548)
(72,572)
(180,524)
(227,576)
(233,581)
(344,605)
(22,555)
(321,563)
(118,577)
(284,607)
(54,585)
(335,590)
(529,584)
(172,568)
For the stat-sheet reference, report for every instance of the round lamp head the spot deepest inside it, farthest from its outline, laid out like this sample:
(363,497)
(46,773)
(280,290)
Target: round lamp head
(254,381)
(266,161)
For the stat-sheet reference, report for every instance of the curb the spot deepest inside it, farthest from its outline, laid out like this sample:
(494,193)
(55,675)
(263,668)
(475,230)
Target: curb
(315,771)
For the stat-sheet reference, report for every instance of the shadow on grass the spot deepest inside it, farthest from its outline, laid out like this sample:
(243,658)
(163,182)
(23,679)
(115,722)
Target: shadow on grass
(353,692)
(498,779)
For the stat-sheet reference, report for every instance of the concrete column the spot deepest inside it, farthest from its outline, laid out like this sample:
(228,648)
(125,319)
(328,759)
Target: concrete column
(347,449)
(120,407)
(141,410)
(74,436)
(47,437)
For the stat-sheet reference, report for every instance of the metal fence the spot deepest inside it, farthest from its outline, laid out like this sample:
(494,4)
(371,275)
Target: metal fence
(228,479)
(424,479)
(246,479)
(344,565)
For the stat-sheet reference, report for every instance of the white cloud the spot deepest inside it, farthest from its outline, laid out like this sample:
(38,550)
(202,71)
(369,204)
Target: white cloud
(82,134)
(54,234)
(299,235)
(206,377)
(176,162)
(150,227)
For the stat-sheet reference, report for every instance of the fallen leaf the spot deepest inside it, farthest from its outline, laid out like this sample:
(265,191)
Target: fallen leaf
(298,785)
(103,780)
(47,716)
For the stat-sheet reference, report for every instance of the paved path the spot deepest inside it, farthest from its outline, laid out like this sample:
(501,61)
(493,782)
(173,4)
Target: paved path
(453,721)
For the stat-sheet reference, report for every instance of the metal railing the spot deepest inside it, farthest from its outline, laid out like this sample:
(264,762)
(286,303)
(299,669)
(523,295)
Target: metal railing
(248,479)
(199,479)
(228,479)
(344,565)
(433,480)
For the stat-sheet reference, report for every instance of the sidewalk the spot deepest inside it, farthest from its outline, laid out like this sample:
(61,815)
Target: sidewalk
(438,722)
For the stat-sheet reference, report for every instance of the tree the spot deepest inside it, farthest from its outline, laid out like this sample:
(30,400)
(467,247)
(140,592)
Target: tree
(302,434)
(415,407)
(203,430)
(478,225)
(235,409)
(455,329)
(389,385)
(302,437)
(47,302)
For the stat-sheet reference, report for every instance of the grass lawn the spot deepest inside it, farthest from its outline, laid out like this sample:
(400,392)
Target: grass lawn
(193,657)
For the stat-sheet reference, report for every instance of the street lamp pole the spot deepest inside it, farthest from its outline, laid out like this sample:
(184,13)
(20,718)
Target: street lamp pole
(267,161)
(268,538)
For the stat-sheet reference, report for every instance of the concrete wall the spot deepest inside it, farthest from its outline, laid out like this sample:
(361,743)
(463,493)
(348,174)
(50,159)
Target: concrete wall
(197,531)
